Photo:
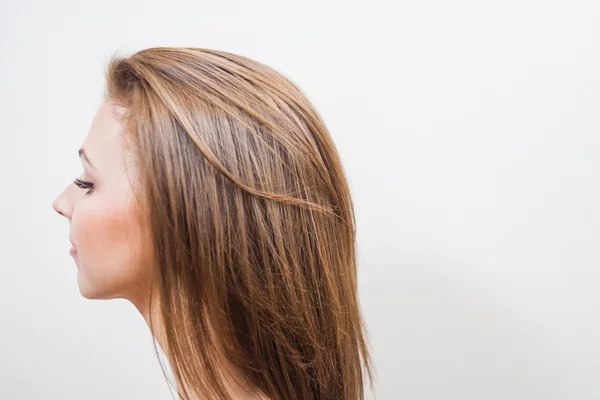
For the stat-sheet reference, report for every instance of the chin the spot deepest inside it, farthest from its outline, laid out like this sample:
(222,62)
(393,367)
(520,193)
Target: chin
(96,291)
(91,294)
(89,290)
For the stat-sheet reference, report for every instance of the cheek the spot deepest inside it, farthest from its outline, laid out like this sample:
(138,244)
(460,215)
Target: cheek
(107,241)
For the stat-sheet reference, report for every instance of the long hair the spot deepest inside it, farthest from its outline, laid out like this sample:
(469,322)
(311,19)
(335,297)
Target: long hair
(250,222)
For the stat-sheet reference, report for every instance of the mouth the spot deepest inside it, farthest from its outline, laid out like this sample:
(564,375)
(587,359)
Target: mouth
(73,250)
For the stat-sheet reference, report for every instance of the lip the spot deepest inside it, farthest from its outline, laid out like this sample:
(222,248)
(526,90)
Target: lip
(73,251)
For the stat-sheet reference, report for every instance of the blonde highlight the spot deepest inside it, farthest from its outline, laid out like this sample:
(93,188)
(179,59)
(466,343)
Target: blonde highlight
(250,223)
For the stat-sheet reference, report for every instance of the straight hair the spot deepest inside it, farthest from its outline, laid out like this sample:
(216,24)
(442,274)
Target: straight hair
(250,223)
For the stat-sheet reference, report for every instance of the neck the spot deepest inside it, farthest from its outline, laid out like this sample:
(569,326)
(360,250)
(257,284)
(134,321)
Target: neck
(146,310)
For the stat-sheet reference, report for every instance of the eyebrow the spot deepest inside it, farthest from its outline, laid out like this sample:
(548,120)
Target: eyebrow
(85,157)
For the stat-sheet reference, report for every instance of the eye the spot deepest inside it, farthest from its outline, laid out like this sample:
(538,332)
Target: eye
(84,185)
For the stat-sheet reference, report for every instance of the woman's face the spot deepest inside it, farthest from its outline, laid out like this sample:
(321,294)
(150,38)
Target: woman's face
(103,227)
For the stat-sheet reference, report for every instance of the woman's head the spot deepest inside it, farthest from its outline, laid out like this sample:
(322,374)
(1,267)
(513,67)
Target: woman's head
(101,207)
(228,203)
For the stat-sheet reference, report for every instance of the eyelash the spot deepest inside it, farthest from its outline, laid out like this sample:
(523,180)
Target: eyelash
(84,185)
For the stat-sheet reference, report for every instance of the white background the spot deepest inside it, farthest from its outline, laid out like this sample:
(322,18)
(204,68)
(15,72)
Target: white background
(469,133)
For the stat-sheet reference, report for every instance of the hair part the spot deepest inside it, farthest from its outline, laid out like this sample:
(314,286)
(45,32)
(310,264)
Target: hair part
(250,223)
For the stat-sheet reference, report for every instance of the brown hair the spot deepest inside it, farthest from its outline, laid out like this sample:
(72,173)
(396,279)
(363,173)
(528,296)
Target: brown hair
(250,222)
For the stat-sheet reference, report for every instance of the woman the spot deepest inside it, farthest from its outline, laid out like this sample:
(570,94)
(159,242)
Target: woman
(214,199)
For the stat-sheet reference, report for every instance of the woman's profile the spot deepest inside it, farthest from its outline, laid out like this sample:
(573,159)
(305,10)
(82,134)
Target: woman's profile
(214,199)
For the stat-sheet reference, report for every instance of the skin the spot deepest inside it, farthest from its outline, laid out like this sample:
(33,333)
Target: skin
(103,228)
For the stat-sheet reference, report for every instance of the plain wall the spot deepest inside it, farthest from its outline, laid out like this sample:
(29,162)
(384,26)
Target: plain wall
(469,131)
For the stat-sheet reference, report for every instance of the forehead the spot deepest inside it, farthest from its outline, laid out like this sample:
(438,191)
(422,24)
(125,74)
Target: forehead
(104,141)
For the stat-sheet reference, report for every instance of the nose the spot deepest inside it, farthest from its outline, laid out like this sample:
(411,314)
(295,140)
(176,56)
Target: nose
(62,206)
(59,207)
